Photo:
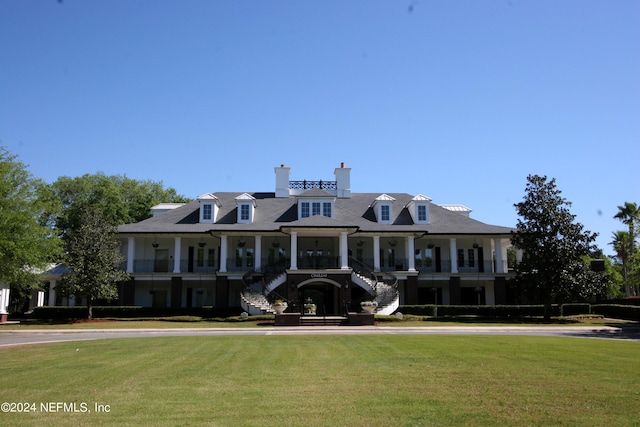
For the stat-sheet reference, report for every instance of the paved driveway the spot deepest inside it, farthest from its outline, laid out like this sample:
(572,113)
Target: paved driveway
(18,337)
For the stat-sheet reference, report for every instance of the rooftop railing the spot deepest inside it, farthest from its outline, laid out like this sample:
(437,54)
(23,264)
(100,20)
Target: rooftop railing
(308,185)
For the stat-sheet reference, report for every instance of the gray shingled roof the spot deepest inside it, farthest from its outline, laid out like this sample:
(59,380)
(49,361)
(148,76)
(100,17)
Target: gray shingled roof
(273,213)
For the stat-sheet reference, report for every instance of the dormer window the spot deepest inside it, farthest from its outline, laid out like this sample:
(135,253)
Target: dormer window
(246,208)
(422,213)
(311,208)
(315,202)
(304,210)
(419,209)
(383,208)
(327,209)
(385,213)
(209,206)
(245,212)
(207,211)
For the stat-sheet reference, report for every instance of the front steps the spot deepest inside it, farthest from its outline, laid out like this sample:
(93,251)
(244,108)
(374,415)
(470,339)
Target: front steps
(353,319)
(322,320)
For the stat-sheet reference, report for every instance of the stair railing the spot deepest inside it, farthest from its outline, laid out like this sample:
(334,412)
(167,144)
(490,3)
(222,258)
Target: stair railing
(364,270)
(258,281)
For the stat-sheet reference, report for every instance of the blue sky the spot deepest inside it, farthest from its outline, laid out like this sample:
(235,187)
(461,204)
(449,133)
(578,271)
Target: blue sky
(457,100)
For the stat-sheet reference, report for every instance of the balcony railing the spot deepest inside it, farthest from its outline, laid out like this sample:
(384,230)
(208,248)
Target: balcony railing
(318,262)
(308,185)
(167,266)
(445,267)
(313,263)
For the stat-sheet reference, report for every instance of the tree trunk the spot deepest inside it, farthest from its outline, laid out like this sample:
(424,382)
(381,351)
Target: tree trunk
(547,311)
(90,310)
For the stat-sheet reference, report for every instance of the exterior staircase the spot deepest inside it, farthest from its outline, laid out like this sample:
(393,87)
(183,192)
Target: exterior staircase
(254,302)
(380,287)
(253,298)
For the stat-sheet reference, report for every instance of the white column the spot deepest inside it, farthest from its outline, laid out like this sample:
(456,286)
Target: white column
(4,298)
(72,301)
(52,293)
(131,252)
(519,254)
(294,250)
(499,257)
(453,254)
(505,243)
(411,255)
(177,250)
(223,253)
(257,254)
(344,251)
(376,253)
(40,302)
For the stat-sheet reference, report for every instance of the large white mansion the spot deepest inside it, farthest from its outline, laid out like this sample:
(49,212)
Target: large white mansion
(312,241)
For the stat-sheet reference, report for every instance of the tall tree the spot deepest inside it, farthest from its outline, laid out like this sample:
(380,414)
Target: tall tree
(553,269)
(27,240)
(92,259)
(621,246)
(629,214)
(122,200)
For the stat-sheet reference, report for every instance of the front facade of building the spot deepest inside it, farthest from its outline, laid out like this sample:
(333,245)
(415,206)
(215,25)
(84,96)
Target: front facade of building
(313,242)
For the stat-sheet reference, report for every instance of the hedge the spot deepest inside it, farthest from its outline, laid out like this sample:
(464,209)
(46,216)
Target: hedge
(128,312)
(495,311)
(618,311)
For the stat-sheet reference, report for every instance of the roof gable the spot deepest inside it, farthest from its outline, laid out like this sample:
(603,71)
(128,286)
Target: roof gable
(316,193)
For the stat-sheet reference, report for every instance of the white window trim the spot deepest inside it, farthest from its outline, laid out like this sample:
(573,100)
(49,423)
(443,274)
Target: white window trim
(380,219)
(245,200)
(207,211)
(311,202)
(213,202)
(249,220)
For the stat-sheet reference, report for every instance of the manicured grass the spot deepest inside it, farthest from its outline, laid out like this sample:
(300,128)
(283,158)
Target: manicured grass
(141,324)
(267,321)
(342,380)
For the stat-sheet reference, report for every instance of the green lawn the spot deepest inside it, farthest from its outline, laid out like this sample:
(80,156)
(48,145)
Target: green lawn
(345,380)
(267,321)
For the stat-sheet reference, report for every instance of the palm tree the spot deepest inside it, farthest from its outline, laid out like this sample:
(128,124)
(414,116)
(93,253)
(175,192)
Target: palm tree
(629,214)
(620,244)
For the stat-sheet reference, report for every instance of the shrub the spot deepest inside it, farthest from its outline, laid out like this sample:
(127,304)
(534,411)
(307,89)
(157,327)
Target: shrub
(492,311)
(394,318)
(128,312)
(419,310)
(575,309)
(618,311)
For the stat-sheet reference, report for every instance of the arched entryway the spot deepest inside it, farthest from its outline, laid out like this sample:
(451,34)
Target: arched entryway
(324,293)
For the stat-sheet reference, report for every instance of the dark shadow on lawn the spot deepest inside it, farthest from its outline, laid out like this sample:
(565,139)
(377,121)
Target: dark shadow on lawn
(630,332)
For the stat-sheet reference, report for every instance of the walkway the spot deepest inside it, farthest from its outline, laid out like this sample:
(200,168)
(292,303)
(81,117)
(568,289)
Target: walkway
(40,336)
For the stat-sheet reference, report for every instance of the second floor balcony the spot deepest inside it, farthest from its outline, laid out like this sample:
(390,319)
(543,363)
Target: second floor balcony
(244,264)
